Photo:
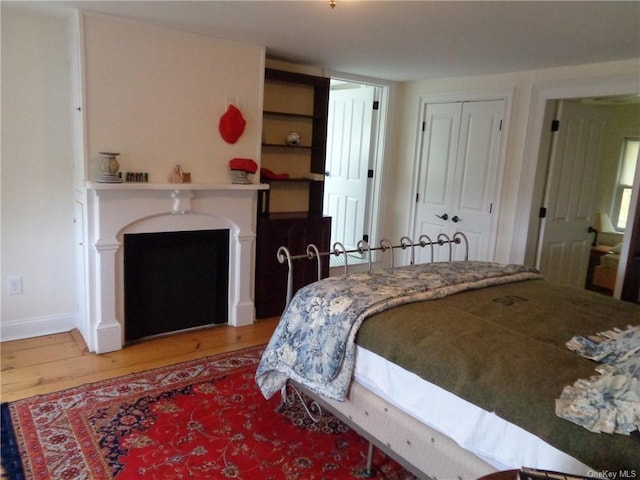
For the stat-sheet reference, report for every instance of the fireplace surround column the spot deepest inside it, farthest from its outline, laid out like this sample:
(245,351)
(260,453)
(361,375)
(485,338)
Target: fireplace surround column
(245,261)
(108,331)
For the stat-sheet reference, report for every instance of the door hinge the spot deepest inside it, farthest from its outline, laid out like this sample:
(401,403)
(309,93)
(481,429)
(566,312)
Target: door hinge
(376,105)
(365,237)
(500,128)
(490,208)
(543,212)
(370,173)
(424,126)
(555,125)
(417,197)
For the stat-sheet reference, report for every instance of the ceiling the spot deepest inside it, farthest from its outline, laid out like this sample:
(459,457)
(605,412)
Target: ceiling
(405,40)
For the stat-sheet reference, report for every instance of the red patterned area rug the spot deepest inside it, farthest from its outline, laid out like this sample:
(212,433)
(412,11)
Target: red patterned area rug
(203,419)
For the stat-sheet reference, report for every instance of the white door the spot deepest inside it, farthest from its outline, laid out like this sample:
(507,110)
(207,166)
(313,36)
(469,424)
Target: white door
(565,242)
(458,172)
(348,150)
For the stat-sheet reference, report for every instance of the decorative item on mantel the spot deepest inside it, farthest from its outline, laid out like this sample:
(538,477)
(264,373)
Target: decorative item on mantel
(231,124)
(137,177)
(240,168)
(179,176)
(293,139)
(266,175)
(109,166)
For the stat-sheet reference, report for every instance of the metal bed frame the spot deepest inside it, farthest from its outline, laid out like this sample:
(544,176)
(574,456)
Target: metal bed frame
(363,247)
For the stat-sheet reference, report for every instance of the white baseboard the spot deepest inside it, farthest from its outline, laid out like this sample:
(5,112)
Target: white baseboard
(36,327)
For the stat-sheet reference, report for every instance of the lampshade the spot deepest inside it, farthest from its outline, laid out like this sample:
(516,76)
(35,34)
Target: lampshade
(603,223)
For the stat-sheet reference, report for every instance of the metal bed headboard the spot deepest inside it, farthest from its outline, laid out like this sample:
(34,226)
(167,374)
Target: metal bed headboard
(312,252)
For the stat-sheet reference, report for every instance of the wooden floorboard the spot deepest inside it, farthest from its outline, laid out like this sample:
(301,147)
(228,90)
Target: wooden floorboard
(56,362)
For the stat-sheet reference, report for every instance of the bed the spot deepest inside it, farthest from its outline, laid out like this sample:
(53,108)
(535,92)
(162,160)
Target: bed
(454,369)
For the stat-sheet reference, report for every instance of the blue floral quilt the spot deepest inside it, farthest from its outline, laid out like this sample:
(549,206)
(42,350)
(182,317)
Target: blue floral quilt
(314,343)
(609,402)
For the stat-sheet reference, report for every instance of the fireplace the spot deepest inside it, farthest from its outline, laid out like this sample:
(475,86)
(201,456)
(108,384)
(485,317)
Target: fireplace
(175,281)
(112,212)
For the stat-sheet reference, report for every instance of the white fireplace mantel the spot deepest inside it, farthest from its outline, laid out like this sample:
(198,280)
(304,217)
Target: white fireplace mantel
(112,210)
(175,186)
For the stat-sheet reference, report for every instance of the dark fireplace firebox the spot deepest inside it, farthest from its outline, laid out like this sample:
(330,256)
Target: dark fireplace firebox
(175,281)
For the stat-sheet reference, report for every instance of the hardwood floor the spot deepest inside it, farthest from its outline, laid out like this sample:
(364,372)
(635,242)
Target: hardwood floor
(56,362)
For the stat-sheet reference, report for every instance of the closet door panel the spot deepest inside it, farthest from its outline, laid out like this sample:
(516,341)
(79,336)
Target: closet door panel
(474,187)
(439,146)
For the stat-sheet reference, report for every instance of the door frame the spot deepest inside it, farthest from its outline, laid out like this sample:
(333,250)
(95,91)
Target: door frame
(424,100)
(526,225)
(380,148)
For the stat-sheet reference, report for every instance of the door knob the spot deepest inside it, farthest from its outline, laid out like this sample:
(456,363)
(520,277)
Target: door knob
(595,237)
(456,219)
(444,216)
(327,173)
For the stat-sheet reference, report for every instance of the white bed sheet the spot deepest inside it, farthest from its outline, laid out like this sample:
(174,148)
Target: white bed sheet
(498,442)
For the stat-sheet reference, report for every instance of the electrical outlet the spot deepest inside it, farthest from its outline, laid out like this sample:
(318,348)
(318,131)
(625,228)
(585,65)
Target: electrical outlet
(14,285)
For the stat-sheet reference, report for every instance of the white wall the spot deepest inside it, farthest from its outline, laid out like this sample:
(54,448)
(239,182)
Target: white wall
(156,96)
(153,94)
(37,188)
(522,84)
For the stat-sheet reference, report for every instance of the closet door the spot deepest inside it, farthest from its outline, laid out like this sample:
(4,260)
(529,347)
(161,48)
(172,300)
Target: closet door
(458,175)
(474,186)
(436,174)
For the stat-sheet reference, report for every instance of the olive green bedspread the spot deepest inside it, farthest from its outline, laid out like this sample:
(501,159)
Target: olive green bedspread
(503,349)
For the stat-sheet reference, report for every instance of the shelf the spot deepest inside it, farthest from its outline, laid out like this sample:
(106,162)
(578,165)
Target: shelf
(284,145)
(299,103)
(292,77)
(291,180)
(288,114)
